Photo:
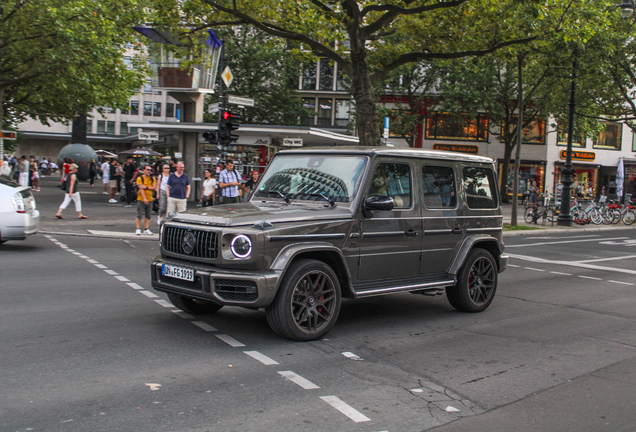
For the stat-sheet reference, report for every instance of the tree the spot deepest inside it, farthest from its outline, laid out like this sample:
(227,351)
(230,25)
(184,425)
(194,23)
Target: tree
(59,58)
(368,39)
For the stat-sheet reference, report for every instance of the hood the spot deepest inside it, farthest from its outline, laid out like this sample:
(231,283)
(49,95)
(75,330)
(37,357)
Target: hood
(242,214)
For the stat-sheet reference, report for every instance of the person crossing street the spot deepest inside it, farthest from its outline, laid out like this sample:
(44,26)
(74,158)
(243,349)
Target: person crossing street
(146,183)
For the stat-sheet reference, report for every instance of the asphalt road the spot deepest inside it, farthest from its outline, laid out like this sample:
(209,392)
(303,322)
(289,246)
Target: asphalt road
(87,345)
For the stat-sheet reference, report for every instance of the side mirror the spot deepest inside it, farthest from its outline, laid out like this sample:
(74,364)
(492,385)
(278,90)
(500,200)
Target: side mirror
(378,202)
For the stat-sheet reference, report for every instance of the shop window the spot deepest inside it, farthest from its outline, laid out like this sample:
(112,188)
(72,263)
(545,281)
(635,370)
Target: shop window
(439,187)
(532,133)
(325,107)
(479,184)
(610,138)
(309,76)
(393,180)
(134,107)
(342,112)
(400,124)
(562,137)
(310,105)
(169,110)
(326,75)
(147,108)
(156,109)
(528,173)
(446,126)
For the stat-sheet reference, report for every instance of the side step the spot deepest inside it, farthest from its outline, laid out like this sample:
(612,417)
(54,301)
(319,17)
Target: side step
(440,284)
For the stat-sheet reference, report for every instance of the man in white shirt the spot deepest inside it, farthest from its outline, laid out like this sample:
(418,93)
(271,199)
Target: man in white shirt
(105,175)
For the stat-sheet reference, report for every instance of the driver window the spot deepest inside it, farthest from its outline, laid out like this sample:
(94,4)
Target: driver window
(393,180)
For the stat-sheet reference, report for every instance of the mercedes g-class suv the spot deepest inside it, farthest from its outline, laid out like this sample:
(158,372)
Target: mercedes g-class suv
(323,224)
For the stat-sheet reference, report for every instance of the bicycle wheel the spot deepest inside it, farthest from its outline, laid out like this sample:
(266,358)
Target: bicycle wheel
(527,216)
(607,216)
(551,215)
(617,216)
(595,216)
(629,217)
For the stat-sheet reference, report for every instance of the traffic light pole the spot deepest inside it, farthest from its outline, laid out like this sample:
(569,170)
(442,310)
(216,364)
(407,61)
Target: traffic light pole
(222,91)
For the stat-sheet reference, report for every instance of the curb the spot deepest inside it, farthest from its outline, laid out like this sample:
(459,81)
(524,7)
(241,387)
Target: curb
(114,235)
(544,231)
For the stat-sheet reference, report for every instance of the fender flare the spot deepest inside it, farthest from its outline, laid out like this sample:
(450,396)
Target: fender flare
(468,245)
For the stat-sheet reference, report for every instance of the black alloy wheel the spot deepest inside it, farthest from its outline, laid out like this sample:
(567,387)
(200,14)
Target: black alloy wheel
(476,283)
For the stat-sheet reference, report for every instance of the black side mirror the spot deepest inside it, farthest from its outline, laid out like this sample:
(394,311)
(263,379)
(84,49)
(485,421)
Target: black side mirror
(377,202)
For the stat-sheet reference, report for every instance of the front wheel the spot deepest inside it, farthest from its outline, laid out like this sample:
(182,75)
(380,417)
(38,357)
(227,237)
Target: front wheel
(194,306)
(628,217)
(307,303)
(476,283)
(527,216)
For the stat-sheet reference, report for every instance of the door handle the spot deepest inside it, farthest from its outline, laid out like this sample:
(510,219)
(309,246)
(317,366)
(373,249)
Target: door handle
(410,233)
(457,230)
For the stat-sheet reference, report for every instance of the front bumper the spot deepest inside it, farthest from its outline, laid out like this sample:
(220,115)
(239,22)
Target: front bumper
(503,262)
(254,289)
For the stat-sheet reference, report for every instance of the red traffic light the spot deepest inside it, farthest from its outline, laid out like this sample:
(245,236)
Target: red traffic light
(227,115)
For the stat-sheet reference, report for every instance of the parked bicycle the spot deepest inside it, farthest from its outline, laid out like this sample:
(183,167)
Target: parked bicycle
(625,214)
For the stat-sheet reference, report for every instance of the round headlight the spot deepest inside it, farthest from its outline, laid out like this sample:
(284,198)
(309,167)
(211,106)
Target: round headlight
(241,246)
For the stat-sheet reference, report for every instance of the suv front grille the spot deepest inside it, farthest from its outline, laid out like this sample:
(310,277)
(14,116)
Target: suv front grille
(236,290)
(205,242)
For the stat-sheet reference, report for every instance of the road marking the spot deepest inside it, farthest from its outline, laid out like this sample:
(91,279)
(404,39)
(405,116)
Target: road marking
(572,264)
(589,277)
(561,238)
(261,358)
(609,259)
(351,356)
(122,278)
(230,340)
(76,253)
(182,314)
(297,379)
(535,269)
(562,242)
(135,286)
(619,282)
(92,261)
(71,250)
(83,256)
(512,265)
(164,303)
(346,409)
(111,272)
(204,326)
(561,273)
(149,294)
(101,266)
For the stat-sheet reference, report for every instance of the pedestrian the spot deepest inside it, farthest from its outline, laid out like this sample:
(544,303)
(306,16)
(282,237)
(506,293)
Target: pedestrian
(53,167)
(106,176)
(33,174)
(130,177)
(162,182)
(173,165)
(209,185)
(70,187)
(178,190)
(146,183)
(114,176)
(44,167)
(119,176)
(92,172)
(23,169)
(5,170)
(249,185)
(229,182)
(66,168)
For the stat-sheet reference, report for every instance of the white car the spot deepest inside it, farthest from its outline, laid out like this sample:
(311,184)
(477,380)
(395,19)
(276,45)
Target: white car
(18,216)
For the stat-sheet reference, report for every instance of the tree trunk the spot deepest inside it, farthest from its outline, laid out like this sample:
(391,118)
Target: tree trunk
(362,90)
(78,135)
(515,188)
(505,172)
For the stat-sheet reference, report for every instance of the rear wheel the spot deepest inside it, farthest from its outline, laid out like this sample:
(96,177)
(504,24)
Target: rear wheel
(194,306)
(629,217)
(307,303)
(476,283)
(527,216)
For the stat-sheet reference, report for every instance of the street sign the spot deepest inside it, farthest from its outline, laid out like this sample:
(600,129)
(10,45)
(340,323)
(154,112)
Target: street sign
(213,108)
(386,128)
(293,142)
(8,135)
(227,76)
(151,136)
(238,100)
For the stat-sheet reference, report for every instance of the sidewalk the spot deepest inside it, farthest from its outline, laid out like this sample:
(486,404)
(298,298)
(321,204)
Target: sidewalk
(116,221)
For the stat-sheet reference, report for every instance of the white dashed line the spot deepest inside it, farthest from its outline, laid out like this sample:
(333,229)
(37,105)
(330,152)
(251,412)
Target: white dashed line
(590,277)
(347,410)
(111,272)
(122,278)
(92,261)
(261,358)
(101,266)
(534,269)
(182,314)
(561,273)
(512,265)
(164,303)
(135,286)
(351,356)
(149,294)
(297,379)
(70,250)
(230,340)
(619,282)
(204,326)
(76,253)
(83,256)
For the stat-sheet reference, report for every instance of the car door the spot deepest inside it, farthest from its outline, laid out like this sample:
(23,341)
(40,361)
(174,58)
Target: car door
(390,240)
(441,227)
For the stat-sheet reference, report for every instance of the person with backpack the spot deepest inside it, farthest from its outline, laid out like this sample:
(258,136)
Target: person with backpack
(146,183)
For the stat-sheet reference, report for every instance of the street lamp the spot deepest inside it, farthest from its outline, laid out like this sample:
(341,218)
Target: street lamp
(627,8)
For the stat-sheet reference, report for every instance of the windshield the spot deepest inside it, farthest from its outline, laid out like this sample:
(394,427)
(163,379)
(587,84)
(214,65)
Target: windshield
(307,177)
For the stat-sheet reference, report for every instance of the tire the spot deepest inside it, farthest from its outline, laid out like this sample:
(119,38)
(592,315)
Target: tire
(307,303)
(193,306)
(552,215)
(629,217)
(617,217)
(527,216)
(595,216)
(607,216)
(476,283)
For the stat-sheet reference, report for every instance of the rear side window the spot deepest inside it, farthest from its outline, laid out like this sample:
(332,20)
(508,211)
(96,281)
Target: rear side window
(394,180)
(479,184)
(439,186)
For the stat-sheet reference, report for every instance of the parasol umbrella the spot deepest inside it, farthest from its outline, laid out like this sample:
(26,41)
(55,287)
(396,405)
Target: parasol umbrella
(141,152)
(105,153)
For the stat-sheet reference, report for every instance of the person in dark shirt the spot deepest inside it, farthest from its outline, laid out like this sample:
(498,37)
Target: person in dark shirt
(130,175)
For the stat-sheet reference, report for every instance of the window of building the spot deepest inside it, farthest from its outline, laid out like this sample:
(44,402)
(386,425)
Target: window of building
(562,137)
(110,127)
(610,138)
(394,180)
(128,62)
(109,110)
(123,128)
(157,92)
(310,105)
(148,87)
(169,110)
(309,77)
(124,111)
(326,75)
(325,108)
(341,84)
(133,130)
(342,112)
(446,126)
(101,126)
(634,142)
(533,132)
(479,185)
(156,109)
(147,108)
(134,107)
(439,187)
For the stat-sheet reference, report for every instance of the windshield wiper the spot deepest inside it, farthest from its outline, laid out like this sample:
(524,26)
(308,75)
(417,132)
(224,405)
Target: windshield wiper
(330,200)
(282,195)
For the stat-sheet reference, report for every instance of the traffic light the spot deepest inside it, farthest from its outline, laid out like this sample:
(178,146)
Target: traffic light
(228,123)
(210,136)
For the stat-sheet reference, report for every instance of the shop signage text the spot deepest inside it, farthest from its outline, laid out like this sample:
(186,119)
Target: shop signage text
(579,155)
(472,149)
(8,135)
(149,136)
(293,142)
(243,101)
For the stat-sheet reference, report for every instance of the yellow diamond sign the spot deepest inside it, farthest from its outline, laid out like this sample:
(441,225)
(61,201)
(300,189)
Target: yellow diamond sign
(227,76)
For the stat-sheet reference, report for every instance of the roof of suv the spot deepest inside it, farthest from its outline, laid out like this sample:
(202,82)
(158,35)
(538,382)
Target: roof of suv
(389,151)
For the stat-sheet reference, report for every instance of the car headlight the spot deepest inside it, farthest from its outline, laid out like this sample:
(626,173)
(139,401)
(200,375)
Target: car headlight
(241,246)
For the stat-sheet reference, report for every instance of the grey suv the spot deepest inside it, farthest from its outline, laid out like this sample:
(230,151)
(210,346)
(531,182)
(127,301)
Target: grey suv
(323,224)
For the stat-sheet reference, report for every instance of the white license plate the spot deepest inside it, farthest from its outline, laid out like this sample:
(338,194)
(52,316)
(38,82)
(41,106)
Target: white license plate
(177,272)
